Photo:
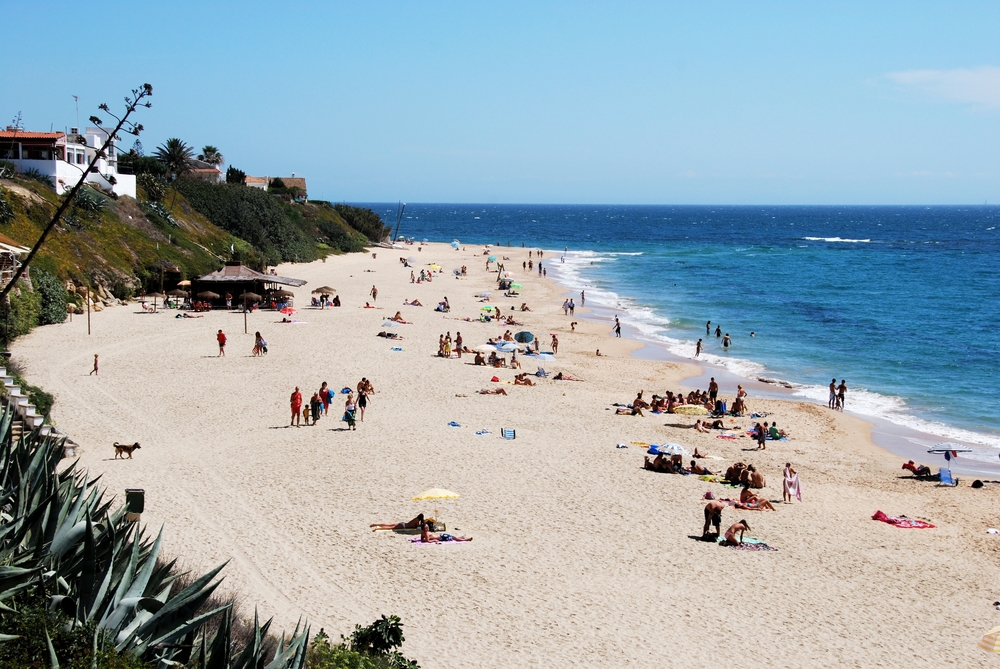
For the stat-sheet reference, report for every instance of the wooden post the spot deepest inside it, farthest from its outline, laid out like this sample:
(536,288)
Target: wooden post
(88,310)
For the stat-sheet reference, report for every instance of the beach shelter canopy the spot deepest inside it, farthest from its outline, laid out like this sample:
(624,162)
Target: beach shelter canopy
(282,293)
(207,295)
(435,267)
(991,641)
(155,295)
(673,449)
(389,323)
(237,273)
(177,292)
(324,290)
(489,308)
(184,283)
(517,286)
(249,296)
(524,337)
(436,493)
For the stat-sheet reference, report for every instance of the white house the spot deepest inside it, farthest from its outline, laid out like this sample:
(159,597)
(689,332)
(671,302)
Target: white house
(64,157)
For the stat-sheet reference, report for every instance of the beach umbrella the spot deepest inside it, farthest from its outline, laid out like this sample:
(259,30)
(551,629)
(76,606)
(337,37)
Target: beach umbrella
(411,260)
(488,307)
(288,311)
(486,348)
(389,323)
(254,297)
(207,295)
(283,293)
(524,337)
(324,290)
(548,357)
(492,259)
(177,292)
(184,283)
(949,449)
(991,641)
(435,493)
(455,245)
(154,296)
(485,293)
(673,449)
(516,286)
(507,347)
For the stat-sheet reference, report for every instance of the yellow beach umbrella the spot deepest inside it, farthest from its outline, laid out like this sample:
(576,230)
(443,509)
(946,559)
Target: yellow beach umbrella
(691,410)
(991,640)
(436,493)
(435,267)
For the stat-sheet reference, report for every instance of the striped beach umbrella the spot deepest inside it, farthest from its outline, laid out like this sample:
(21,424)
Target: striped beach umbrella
(991,641)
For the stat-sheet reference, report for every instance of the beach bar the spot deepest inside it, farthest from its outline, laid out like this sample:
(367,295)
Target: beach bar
(235,279)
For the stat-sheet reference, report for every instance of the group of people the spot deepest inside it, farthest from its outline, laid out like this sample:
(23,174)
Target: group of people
(321,400)
(837,394)
(748,501)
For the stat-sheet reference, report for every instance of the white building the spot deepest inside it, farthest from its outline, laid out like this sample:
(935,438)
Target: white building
(64,157)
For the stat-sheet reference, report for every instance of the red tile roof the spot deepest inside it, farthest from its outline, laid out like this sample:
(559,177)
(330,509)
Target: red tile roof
(21,134)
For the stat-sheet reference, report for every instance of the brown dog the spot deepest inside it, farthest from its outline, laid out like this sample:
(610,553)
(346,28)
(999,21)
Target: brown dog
(120,449)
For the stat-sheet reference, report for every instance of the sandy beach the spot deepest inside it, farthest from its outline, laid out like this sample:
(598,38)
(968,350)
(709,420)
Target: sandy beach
(579,557)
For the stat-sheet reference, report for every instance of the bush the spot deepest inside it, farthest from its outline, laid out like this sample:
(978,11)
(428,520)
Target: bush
(87,199)
(235,176)
(365,221)
(21,315)
(53,297)
(359,653)
(6,211)
(34,175)
(42,400)
(7,169)
(152,186)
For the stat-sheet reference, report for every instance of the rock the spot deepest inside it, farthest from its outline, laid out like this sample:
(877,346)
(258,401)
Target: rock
(70,288)
(98,306)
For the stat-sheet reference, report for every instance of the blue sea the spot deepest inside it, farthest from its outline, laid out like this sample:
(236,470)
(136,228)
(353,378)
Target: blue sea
(901,302)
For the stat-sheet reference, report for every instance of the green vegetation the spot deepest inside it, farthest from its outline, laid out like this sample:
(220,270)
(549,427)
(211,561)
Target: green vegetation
(176,157)
(6,212)
(366,221)
(81,586)
(235,176)
(53,297)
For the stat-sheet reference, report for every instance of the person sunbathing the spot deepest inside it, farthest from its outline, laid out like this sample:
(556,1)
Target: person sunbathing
(756,479)
(522,380)
(524,307)
(697,454)
(738,407)
(695,468)
(774,433)
(750,501)
(920,471)
(735,472)
(367,306)
(428,537)
(388,335)
(414,303)
(718,425)
(730,536)
(565,377)
(408,525)
(659,464)
(492,391)
(699,427)
(398,318)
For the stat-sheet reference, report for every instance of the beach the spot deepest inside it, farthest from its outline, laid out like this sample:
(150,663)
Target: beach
(580,557)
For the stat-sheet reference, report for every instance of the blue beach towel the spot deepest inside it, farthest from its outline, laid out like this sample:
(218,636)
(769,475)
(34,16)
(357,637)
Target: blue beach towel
(453,424)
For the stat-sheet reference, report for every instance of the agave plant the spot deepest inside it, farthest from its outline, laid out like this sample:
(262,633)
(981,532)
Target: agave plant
(63,544)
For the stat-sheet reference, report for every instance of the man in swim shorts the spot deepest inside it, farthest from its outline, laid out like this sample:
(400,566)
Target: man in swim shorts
(713,390)
(833,394)
(713,516)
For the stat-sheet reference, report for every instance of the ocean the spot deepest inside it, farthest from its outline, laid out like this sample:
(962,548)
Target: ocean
(899,301)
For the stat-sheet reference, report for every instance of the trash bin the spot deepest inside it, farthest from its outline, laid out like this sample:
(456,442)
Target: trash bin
(135,502)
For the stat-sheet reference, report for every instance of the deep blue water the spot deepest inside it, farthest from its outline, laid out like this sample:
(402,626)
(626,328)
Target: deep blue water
(900,301)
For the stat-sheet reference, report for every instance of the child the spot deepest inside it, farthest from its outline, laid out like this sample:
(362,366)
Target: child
(305,413)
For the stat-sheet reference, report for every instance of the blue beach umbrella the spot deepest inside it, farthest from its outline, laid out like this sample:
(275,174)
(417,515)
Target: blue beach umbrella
(455,245)
(507,347)
(524,337)
(492,259)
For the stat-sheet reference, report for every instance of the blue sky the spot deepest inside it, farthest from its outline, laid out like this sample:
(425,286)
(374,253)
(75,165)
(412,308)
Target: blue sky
(544,102)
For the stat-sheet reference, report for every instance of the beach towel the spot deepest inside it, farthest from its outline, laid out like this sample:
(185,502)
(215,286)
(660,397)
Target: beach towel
(397,348)
(453,424)
(731,437)
(482,433)
(749,544)
(903,521)
(792,487)
(418,540)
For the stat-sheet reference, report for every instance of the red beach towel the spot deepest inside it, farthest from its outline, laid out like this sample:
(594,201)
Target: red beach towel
(909,523)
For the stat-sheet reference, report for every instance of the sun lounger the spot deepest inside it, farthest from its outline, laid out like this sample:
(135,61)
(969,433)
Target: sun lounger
(509,434)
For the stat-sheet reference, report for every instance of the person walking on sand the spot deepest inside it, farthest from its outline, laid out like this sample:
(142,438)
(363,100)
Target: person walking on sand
(555,344)
(221,338)
(833,394)
(697,349)
(583,298)
(713,390)
(363,397)
(539,268)
(374,294)
(458,343)
(296,402)
(618,327)
(94,370)
(841,394)
(565,307)
(350,412)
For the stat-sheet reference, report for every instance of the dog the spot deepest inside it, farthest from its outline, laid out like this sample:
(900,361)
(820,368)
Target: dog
(122,449)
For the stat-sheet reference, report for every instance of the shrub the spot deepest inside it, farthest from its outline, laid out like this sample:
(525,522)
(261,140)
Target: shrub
(87,199)
(41,399)
(53,297)
(365,221)
(34,175)
(360,651)
(6,211)
(20,316)
(152,186)
(7,169)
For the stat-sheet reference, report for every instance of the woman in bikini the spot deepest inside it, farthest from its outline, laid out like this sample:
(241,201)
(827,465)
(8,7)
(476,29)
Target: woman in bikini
(408,525)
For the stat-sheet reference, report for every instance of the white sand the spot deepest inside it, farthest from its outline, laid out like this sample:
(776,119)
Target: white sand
(579,556)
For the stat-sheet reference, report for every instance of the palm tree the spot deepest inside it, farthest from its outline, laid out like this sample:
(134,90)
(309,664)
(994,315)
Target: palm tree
(176,155)
(210,154)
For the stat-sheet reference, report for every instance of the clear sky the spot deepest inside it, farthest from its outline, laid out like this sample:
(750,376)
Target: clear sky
(543,102)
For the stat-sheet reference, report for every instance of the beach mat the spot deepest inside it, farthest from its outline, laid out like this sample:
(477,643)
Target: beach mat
(749,545)
(905,523)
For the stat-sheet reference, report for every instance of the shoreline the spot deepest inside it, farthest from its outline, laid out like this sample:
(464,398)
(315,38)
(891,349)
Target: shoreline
(898,439)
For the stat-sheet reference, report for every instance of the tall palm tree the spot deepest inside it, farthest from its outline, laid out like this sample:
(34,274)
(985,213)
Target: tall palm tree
(176,155)
(211,155)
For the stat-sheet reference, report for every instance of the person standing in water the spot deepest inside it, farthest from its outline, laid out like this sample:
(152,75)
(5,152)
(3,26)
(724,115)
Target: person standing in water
(833,394)
(841,394)
(697,350)
(718,331)
(708,328)
(583,298)
(726,341)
